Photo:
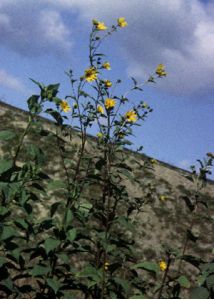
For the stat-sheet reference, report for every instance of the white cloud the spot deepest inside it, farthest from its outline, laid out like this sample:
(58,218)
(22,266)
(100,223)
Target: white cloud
(178,33)
(54,30)
(31,29)
(9,81)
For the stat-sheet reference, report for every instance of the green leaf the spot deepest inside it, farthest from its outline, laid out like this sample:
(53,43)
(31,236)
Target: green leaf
(201,279)
(68,217)
(54,208)
(56,184)
(85,207)
(54,284)
(184,282)
(34,105)
(8,283)
(210,281)
(3,211)
(41,85)
(71,234)
(52,90)
(199,293)
(91,272)
(21,223)
(7,233)
(51,244)
(2,261)
(55,114)
(39,270)
(208,267)
(6,135)
(125,223)
(123,283)
(5,165)
(148,266)
(16,254)
(64,257)
(36,153)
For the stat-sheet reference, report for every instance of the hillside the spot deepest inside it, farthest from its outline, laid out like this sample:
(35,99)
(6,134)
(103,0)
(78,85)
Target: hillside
(162,221)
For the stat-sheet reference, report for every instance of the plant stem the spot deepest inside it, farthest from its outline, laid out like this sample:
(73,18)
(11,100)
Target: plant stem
(164,278)
(21,141)
(186,239)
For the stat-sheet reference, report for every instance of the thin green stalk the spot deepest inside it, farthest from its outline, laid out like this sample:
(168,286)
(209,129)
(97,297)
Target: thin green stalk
(164,278)
(22,140)
(186,240)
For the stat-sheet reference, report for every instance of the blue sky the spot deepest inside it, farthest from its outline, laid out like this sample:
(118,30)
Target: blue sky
(42,39)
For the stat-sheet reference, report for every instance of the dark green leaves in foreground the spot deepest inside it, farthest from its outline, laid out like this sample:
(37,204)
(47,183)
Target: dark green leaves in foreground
(7,135)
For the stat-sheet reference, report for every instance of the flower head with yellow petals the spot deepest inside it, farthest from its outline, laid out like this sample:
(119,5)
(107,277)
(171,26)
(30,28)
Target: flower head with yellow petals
(162,265)
(110,103)
(99,25)
(107,83)
(131,116)
(65,106)
(106,65)
(163,197)
(160,70)
(106,265)
(100,109)
(121,22)
(90,74)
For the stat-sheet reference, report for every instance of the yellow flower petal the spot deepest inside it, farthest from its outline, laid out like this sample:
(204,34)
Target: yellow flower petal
(108,83)
(90,74)
(106,65)
(160,70)
(100,109)
(99,25)
(131,116)
(162,265)
(64,106)
(121,22)
(110,103)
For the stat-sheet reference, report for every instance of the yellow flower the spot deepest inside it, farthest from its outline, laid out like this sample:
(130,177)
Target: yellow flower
(106,265)
(100,109)
(99,135)
(99,25)
(162,265)
(106,65)
(110,103)
(90,74)
(108,83)
(160,70)
(131,116)
(64,106)
(163,197)
(122,22)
